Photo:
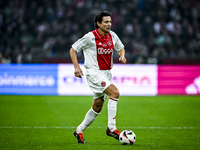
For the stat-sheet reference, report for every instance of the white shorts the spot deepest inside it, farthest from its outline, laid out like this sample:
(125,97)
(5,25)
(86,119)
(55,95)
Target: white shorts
(98,81)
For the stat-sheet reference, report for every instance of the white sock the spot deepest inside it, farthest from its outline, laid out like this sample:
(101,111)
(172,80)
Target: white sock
(112,110)
(90,116)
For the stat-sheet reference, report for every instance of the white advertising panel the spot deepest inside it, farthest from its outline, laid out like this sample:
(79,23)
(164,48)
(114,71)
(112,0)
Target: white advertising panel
(135,79)
(130,80)
(68,84)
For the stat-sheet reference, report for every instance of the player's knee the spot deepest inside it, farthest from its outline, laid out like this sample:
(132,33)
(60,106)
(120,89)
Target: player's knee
(112,91)
(97,105)
(116,94)
(97,108)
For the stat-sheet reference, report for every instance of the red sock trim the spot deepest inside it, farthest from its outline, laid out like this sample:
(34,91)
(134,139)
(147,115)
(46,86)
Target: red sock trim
(114,99)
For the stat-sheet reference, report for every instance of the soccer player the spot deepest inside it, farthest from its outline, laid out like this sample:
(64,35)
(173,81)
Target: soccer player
(98,47)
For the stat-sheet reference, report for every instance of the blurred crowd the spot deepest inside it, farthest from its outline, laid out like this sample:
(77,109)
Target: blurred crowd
(151,30)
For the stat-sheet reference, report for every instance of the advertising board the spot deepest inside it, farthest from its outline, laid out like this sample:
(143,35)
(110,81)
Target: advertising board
(130,79)
(178,79)
(28,79)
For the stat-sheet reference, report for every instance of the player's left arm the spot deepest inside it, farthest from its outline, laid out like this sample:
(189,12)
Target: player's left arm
(121,54)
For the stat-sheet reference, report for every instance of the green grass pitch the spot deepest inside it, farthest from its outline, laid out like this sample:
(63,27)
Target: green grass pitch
(48,123)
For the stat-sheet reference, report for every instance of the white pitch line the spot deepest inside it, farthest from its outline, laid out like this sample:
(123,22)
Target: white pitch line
(73,127)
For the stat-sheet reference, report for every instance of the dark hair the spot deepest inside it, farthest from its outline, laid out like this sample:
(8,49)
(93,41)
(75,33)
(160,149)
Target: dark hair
(99,17)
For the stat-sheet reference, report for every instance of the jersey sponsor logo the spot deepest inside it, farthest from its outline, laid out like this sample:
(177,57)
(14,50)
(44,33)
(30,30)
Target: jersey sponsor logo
(102,50)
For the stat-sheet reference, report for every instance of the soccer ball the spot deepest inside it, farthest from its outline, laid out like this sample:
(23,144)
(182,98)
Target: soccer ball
(127,137)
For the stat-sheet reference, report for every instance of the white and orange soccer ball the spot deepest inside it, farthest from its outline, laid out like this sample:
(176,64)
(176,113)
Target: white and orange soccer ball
(127,137)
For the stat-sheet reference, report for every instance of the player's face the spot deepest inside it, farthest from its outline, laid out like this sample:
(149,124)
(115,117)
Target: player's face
(105,25)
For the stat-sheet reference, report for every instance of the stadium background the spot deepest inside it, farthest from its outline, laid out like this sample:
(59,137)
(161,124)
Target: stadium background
(153,31)
(162,40)
(164,35)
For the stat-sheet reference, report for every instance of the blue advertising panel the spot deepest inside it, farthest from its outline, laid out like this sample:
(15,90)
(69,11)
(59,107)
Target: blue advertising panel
(34,79)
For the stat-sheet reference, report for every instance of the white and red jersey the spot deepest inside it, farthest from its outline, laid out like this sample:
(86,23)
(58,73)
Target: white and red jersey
(98,49)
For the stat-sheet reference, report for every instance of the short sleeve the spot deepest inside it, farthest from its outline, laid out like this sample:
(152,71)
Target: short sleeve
(118,45)
(81,43)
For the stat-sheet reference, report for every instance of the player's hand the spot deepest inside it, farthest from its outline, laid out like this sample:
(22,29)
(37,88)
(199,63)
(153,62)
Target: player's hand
(122,60)
(78,72)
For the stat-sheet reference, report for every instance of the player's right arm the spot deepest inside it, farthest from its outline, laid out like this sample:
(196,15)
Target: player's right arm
(77,72)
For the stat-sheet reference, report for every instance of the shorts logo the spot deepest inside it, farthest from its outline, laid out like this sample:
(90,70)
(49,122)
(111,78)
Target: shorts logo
(103,83)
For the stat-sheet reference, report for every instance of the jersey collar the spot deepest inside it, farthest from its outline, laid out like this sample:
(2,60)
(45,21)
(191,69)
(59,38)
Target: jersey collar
(101,36)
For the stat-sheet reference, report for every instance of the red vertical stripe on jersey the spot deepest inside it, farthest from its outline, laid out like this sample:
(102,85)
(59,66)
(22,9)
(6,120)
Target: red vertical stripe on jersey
(105,47)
